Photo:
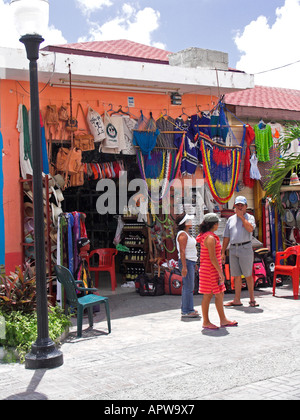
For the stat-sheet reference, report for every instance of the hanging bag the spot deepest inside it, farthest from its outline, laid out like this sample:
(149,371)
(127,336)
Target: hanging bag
(63,113)
(51,119)
(51,115)
(85,140)
(74,163)
(96,125)
(62,159)
(111,140)
(77,180)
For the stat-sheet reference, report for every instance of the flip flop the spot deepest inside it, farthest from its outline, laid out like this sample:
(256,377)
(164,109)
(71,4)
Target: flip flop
(212,328)
(253,304)
(232,304)
(231,324)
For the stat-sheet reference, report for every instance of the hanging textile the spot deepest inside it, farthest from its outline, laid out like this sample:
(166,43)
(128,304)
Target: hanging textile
(221,167)
(44,147)
(190,157)
(221,163)
(249,138)
(146,140)
(170,170)
(263,142)
(70,228)
(219,133)
(254,171)
(24,142)
(2,226)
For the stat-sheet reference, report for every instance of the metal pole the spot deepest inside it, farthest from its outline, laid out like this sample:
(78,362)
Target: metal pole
(44,354)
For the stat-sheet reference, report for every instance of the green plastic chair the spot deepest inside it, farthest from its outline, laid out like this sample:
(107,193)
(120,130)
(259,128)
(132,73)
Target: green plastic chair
(65,277)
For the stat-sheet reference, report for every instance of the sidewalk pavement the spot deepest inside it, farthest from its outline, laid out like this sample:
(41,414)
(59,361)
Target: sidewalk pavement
(154,355)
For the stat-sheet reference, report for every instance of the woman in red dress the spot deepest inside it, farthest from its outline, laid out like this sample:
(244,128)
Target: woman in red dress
(211,277)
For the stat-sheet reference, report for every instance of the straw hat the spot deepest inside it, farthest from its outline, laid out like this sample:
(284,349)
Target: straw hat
(51,181)
(289,218)
(53,236)
(56,211)
(58,195)
(28,225)
(28,209)
(294,179)
(60,181)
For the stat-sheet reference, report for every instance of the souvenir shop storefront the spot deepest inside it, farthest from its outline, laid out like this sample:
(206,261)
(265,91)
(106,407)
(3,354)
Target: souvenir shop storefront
(274,115)
(116,136)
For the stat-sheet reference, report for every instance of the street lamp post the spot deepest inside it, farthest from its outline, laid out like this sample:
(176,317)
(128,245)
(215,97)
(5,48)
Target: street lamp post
(30,18)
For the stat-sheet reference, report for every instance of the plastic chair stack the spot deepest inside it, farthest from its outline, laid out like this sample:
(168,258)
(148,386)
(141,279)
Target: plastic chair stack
(106,262)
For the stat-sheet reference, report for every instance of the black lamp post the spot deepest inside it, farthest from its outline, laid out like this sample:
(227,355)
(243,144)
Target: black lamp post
(44,354)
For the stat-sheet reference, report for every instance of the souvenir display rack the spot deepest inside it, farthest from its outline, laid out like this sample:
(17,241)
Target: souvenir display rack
(27,245)
(134,237)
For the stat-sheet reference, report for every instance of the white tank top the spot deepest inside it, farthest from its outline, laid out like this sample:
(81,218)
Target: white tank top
(190,250)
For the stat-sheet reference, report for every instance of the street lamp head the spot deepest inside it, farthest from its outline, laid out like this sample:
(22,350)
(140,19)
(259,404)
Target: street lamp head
(31,17)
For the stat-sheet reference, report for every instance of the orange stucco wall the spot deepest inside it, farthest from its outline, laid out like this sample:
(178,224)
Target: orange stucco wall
(12,94)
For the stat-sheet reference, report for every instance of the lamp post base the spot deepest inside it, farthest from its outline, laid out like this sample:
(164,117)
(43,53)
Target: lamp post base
(43,356)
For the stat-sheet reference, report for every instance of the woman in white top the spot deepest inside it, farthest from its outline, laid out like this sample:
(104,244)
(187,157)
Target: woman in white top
(187,251)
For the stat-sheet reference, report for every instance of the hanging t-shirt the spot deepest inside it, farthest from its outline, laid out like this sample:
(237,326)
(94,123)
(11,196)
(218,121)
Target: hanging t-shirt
(263,142)
(249,138)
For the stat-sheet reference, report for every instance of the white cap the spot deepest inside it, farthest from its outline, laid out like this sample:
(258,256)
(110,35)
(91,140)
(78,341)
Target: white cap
(186,218)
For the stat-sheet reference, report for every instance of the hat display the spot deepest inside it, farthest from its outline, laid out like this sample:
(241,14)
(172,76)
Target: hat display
(240,200)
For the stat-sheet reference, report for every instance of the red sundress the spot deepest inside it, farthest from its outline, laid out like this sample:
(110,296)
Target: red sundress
(208,275)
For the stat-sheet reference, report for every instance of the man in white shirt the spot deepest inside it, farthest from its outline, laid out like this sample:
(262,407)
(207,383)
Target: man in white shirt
(238,233)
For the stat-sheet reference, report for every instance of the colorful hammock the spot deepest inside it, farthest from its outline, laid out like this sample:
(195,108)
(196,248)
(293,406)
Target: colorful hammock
(170,170)
(221,167)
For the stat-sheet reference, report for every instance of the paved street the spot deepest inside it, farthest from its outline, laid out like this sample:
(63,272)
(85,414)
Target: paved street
(153,355)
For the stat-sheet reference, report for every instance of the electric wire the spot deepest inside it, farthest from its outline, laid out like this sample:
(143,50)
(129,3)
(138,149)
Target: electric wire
(278,68)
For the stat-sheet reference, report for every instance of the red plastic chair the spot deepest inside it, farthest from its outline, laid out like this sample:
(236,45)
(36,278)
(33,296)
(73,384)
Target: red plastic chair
(288,270)
(106,263)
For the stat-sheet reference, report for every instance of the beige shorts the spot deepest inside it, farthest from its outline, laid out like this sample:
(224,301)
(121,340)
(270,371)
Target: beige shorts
(241,259)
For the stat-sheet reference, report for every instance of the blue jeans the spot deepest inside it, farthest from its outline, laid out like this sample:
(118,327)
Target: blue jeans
(187,295)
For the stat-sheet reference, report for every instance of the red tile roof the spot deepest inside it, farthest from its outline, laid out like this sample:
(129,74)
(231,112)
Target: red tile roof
(266,97)
(119,49)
